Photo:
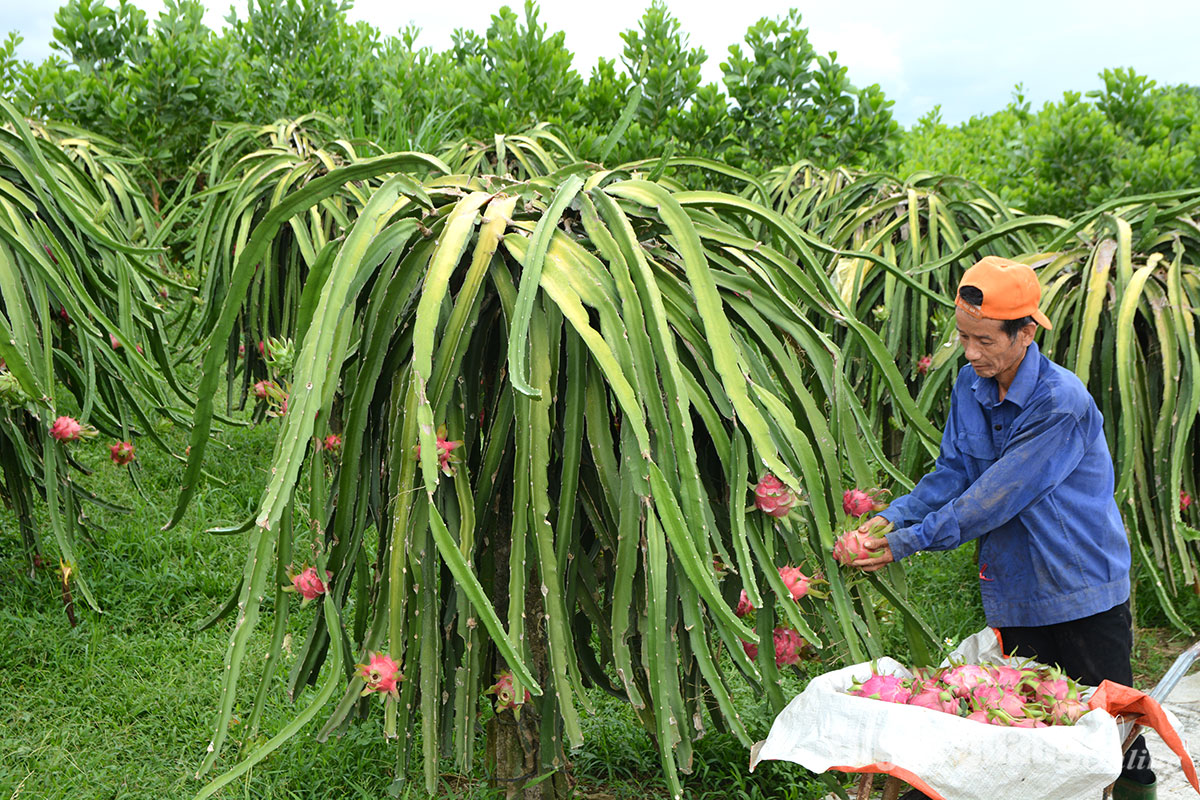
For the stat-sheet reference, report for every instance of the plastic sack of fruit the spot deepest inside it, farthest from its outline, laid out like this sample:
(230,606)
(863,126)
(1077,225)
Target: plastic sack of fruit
(944,755)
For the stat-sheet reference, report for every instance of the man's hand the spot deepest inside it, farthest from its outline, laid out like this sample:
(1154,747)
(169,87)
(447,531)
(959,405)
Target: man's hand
(883,555)
(872,525)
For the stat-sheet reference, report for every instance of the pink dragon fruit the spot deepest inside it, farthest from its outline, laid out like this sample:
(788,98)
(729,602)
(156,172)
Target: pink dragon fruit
(849,547)
(744,607)
(929,696)
(773,497)
(1066,711)
(66,429)
(114,341)
(788,645)
(979,716)
(923,364)
(506,694)
(308,584)
(380,674)
(122,453)
(797,582)
(1008,678)
(888,688)
(1185,500)
(962,679)
(751,649)
(857,502)
(1028,722)
(1054,685)
(262,389)
(332,443)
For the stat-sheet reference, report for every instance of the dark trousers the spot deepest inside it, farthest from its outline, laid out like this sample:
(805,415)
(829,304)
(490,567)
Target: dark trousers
(1088,650)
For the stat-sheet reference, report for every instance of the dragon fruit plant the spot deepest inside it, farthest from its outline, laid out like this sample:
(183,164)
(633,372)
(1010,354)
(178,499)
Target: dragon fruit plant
(602,436)
(78,260)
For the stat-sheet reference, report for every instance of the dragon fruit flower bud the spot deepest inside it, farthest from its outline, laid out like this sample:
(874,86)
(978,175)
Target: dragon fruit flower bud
(122,453)
(380,674)
(773,497)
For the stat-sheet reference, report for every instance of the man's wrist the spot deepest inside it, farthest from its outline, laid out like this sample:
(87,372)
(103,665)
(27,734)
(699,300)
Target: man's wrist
(901,543)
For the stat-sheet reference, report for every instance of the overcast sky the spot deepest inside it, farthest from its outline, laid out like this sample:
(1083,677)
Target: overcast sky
(963,54)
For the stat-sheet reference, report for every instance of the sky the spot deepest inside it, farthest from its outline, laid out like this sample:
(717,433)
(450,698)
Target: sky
(966,56)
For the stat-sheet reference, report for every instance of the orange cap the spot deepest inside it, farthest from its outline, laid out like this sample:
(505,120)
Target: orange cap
(1010,291)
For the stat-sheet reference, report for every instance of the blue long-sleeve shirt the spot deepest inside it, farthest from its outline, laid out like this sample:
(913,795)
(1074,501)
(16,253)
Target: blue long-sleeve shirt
(1030,477)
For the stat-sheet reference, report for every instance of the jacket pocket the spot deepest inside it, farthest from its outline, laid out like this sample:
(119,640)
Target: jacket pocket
(976,445)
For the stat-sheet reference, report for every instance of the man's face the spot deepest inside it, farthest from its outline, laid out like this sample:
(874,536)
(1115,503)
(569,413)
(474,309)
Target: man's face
(988,349)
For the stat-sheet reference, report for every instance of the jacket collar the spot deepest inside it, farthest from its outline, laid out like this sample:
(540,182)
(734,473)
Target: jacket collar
(987,391)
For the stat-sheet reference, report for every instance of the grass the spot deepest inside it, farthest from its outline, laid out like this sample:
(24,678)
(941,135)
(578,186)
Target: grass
(120,707)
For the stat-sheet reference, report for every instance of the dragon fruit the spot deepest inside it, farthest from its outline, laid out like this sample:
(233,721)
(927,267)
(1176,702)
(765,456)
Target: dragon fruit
(66,429)
(961,680)
(380,674)
(797,582)
(744,607)
(857,502)
(308,584)
(1185,500)
(122,453)
(506,694)
(114,341)
(750,648)
(929,696)
(332,443)
(773,497)
(923,364)
(1066,711)
(788,645)
(849,547)
(888,688)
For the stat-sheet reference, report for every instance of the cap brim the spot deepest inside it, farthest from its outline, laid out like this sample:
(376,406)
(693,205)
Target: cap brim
(1042,319)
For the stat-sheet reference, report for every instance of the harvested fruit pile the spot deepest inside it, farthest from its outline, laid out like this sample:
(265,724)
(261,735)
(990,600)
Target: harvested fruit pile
(1021,697)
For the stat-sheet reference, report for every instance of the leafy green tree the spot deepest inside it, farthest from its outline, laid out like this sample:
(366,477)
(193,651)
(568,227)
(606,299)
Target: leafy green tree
(792,103)
(517,75)
(658,58)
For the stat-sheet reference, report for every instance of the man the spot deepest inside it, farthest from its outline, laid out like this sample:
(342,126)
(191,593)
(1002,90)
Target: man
(1024,469)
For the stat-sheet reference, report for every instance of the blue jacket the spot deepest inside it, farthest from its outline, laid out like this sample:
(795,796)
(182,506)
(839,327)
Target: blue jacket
(1030,477)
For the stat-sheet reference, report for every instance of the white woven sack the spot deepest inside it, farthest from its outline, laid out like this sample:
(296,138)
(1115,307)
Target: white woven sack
(961,759)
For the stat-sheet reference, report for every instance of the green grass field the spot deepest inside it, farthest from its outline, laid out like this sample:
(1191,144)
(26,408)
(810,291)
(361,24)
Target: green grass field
(120,707)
